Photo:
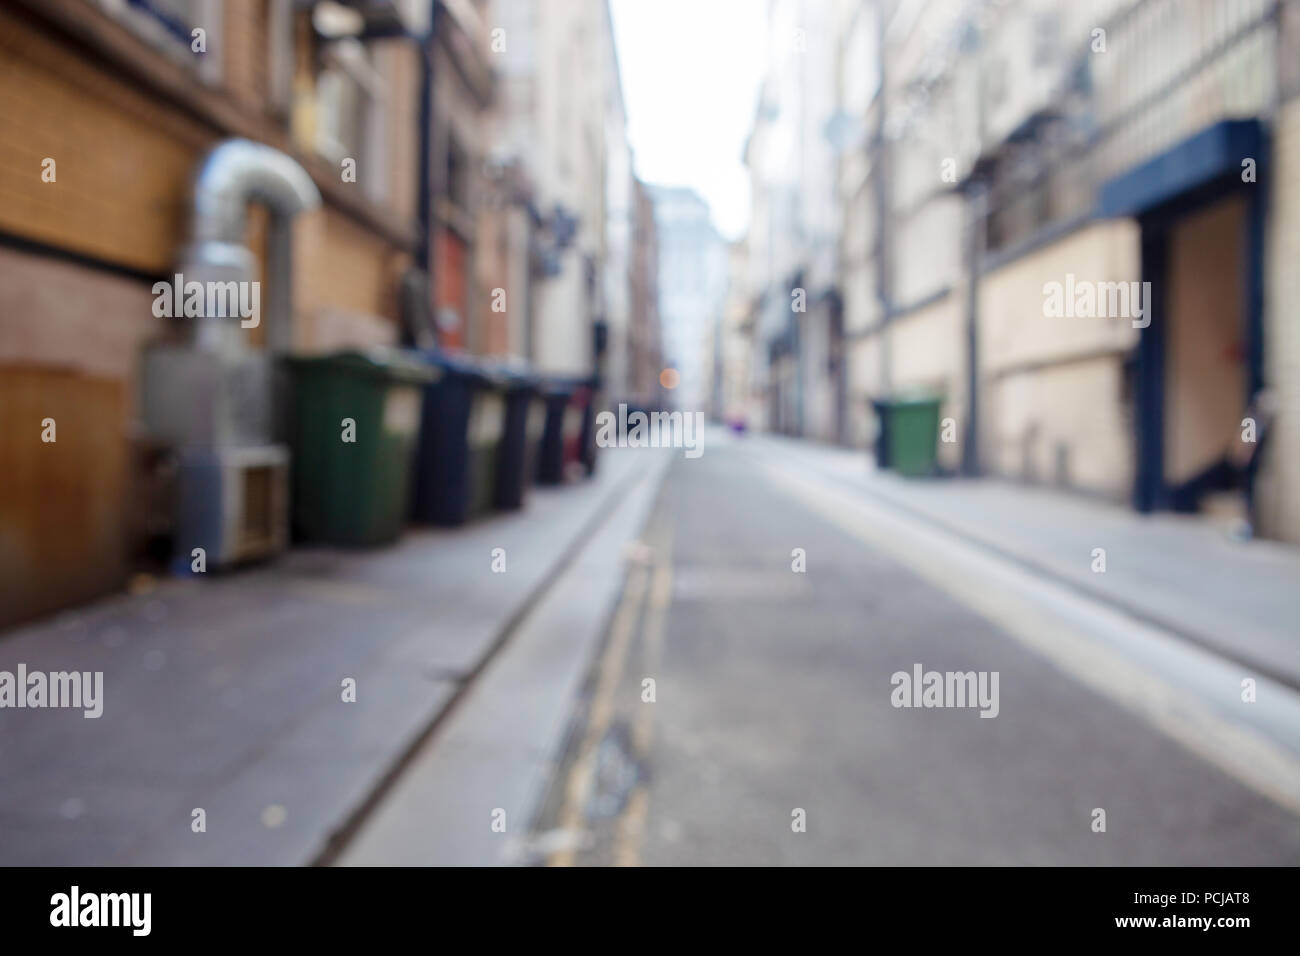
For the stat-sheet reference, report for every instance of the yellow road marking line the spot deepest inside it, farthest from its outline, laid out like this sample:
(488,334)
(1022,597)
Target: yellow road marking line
(661,591)
(631,825)
(631,828)
(578,784)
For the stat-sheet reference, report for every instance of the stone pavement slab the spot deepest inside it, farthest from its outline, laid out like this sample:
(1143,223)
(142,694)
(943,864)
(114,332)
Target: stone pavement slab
(224,692)
(496,751)
(1240,599)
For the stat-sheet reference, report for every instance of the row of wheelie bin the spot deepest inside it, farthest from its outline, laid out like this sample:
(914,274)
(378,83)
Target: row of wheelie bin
(387,436)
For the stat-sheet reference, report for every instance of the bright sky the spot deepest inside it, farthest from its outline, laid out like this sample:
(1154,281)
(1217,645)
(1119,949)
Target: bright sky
(691,71)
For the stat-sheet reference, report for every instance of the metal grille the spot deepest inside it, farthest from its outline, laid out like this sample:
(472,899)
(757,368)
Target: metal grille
(1170,68)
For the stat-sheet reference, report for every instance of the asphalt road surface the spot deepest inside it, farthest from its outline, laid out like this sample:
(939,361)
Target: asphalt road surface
(769,734)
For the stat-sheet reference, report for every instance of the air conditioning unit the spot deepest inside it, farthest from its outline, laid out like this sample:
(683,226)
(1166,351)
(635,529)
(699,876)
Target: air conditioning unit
(191,397)
(217,415)
(233,502)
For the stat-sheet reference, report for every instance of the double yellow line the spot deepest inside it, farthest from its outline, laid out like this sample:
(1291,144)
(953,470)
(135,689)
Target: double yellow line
(649,583)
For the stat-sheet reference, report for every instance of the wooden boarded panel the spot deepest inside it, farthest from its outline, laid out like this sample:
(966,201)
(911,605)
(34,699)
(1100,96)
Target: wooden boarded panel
(61,503)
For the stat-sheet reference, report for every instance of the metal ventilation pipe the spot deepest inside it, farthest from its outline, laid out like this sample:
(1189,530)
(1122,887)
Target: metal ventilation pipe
(233,174)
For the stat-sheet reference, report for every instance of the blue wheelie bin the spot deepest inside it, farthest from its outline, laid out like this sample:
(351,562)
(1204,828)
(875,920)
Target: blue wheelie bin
(525,419)
(556,395)
(462,421)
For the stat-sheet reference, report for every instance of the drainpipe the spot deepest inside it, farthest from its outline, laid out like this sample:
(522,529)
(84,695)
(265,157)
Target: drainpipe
(233,174)
(426,44)
(428,50)
(978,205)
(879,179)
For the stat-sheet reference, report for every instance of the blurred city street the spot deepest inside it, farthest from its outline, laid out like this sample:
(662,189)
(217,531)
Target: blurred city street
(773,693)
(773,689)
(225,696)
(613,433)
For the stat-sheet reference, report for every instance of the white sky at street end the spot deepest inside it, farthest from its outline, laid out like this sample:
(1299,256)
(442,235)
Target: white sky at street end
(691,72)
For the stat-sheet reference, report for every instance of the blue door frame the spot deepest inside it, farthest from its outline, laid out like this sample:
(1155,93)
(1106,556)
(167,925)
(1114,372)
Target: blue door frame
(1201,170)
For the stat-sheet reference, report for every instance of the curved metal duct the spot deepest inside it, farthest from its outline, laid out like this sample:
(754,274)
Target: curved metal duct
(238,171)
(233,174)
(217,401)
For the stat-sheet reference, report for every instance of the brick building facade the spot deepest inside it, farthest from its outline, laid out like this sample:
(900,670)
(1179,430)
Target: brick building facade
(119,103)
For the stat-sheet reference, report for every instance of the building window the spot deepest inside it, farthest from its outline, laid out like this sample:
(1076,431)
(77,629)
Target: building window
(279,55)
(169,26)
(995,82)
(1047,34)
(458,175)
(350,105)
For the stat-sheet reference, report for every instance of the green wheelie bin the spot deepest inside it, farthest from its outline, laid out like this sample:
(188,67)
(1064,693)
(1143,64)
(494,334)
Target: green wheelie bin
(487,426)
(354,423)
(911,430)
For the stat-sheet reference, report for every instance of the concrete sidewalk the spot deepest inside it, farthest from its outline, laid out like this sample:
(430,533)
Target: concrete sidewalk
(1179,572)
(494,755)
(224,693)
